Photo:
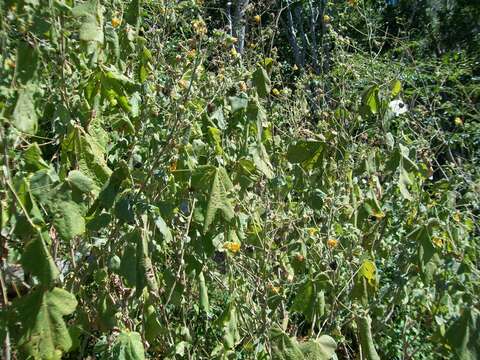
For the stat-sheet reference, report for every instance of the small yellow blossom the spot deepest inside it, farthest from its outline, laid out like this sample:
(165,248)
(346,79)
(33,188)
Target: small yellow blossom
(10,63)
(173,166)
(199,27)
(233,247)
(273,289)
(243,86)
(257,19)
(456,216)
(116,22)
(312,231)
(183,83)
(332,243)
(437,241)
(276,92)
(191,54)
(234,52)
(326,19)
(378,214)
(458,121)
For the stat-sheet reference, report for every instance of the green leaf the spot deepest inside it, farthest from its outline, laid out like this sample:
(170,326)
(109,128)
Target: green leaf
(33,158)
(44,334)
(164,229)
(81,181)
(462,335)
(218,199)
(27,63)
(304,301)
(216,138)
(91,27)
(396,87)
(322,348)
(284,347)
(68,219)
(238,103)
(128,346)
(24,115)
(370,101)
(403,183)
(37,260)
(261,160)
(305,152)
(262,82)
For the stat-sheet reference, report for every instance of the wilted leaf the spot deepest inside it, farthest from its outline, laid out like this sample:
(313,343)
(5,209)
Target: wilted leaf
(218,199)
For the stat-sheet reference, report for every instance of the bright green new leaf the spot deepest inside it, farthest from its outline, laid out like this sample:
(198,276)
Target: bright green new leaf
(370,101)
(44,334)
(396,87)
(128,346)
(218,198)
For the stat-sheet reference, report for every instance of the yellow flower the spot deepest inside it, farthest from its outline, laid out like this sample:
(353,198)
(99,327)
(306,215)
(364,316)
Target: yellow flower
(191,54)
(199,27)
(326,19)
(273,289)
(312,231)
(116,22)
(275,92)
(456,216)
(233,247)
(10,63)
(257,19)
(378,214)
(183,83)
(233,52)
(458,121)
(243,86)
(173,166)
(437,241)
(332,243)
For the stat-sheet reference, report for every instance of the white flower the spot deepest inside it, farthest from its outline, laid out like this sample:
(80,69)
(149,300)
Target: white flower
(398,107)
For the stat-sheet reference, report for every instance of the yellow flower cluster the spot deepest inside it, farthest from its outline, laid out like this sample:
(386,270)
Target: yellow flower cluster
(233,247)
(199,27)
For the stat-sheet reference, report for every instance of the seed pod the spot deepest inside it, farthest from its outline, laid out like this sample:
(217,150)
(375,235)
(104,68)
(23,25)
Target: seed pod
(364,324)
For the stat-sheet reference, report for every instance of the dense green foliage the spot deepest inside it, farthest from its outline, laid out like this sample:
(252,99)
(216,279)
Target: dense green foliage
(300,184)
